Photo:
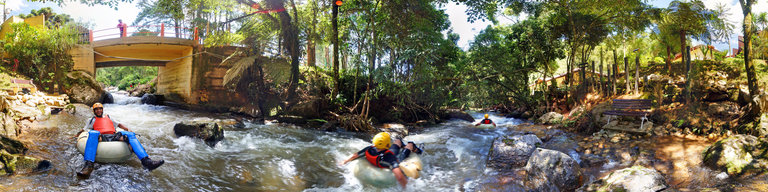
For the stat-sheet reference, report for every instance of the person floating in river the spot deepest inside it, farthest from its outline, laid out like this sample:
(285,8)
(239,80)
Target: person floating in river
(486,121)
(384,155)
(103,128)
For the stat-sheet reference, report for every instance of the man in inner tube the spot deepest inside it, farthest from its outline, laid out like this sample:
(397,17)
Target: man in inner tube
(384,155)
(486,121)
(103,128)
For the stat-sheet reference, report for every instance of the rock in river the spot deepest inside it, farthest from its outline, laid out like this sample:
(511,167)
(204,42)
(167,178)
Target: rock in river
(549,168)
(512,151)
(208,131)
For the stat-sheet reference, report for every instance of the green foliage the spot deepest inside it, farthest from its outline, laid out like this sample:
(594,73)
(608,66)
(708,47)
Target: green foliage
(52,19)
(502,59)
(42,53)
(124,77)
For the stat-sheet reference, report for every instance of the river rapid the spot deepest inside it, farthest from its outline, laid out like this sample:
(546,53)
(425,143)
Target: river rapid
(259,157)
(283,157)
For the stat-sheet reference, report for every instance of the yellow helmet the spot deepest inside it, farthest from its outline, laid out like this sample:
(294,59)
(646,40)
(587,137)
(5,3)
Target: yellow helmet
(381,140)
(97,105)
(486,115)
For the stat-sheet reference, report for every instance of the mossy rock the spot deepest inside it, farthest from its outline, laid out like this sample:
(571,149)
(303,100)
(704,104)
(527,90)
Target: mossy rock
(83,88)
(12,146)
(737,155)
(633,179)
(19,164)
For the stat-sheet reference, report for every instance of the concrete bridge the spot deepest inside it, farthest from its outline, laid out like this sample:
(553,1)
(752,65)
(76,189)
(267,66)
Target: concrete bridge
(173,51)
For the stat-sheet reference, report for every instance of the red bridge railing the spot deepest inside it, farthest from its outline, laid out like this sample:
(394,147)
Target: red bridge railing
(145,30)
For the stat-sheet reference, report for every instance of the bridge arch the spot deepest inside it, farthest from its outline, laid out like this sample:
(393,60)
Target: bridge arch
(172,55)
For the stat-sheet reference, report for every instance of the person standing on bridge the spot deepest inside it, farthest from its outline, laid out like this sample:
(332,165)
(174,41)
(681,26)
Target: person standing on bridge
(122,26)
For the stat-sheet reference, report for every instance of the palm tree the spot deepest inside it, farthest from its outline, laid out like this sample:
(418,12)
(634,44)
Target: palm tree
(688,18)
(724,28)
(761,20)
(664,32)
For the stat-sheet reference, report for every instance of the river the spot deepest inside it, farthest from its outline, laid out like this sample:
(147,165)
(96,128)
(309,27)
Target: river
(259,157)
(282,157)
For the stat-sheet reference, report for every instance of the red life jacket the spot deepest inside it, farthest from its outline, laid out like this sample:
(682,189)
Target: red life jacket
(486,121)
(104,125)
(374,159)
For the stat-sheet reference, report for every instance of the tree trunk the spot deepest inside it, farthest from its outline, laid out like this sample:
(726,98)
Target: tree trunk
(290,34)
(668,60)
(592,77)
(615,70)
(310,52)
(335,41)
(637,73)
(626,74)
(682,44)
(311,36)
(371,62)
(687,60)
(746,7)
(602,83)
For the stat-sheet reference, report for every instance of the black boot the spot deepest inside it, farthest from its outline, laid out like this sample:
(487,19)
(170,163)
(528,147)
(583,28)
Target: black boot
(87,169)
(150,164)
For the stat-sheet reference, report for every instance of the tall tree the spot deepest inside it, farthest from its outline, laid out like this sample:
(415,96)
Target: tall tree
(746,9)
(689,18)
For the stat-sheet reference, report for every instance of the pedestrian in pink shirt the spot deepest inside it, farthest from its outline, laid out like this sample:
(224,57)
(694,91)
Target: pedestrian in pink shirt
(122,26)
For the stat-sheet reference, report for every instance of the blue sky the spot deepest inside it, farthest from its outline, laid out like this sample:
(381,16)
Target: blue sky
(102,17)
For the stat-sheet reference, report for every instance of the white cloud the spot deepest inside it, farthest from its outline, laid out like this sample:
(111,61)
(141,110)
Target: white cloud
(458,17)
(13,4)
(102,16)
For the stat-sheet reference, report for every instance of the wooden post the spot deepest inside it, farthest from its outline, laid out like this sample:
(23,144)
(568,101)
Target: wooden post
(614,74)
(687,57)
(592,78)
(637,72)
(602,84)
(626,73)
(162,30)
(583,85)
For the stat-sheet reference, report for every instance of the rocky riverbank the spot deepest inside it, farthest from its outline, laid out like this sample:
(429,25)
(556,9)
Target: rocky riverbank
(18,114)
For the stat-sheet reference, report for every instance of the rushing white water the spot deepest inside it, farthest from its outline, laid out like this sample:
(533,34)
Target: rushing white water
(270,157)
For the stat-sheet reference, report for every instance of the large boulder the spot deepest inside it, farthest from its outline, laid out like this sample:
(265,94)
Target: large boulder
(21,164)
(151,99)
(292,119)
(563,143)
(311,109)
(8,125)
(511,151)
(107,98)
(547,168)
(457,114)
(762,102)
(12,146)
(142,89)
(26,112)
(207,130)
(633,179)
(716,91)
(83,88)
(551,118)
(396,130)
(737,155)
(724,110)
(762,128)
